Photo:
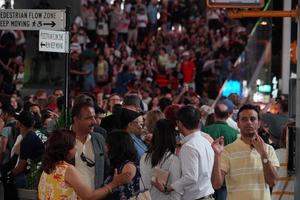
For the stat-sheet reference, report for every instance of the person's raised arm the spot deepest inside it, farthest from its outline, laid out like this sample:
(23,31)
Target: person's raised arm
(269,170)
(218,175)
(73,177)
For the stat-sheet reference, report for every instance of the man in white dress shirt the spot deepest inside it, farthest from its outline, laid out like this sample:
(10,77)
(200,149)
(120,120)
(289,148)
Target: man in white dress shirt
(196,156)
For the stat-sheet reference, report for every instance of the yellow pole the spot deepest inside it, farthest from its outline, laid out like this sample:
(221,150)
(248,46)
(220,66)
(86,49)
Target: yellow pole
(242,14)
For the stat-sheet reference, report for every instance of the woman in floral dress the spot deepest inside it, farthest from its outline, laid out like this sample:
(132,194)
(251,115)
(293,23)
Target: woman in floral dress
(60,179)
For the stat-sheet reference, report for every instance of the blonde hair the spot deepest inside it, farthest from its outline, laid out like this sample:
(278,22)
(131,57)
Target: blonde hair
(151,118)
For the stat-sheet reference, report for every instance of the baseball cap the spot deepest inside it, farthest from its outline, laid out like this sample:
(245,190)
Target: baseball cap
(26,118)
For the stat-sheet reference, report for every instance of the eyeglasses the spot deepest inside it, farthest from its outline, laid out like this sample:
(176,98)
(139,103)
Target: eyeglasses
(88,161)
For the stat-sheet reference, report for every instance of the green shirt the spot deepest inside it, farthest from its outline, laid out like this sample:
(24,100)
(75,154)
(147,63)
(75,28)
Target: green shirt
(219,129)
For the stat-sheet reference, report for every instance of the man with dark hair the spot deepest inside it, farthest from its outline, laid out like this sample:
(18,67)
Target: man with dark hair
(132,102)
(90,156)
(196,156)
(248,164)
(163,103)
(221,128)
(31,147)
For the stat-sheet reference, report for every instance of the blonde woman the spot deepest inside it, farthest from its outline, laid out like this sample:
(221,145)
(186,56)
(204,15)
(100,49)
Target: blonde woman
(150,120)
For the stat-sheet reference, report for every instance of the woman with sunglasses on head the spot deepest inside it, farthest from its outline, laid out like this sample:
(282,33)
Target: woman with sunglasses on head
(60,179)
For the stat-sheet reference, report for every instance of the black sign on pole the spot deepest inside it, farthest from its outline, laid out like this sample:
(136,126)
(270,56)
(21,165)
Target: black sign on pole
(67,68)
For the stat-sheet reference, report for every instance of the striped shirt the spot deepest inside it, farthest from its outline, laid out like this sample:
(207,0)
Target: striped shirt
(244,171)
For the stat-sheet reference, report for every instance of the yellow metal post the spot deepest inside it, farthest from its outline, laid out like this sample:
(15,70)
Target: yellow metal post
(241,14)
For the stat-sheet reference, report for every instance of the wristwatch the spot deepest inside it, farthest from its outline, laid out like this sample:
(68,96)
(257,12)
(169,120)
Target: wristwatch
(265,160)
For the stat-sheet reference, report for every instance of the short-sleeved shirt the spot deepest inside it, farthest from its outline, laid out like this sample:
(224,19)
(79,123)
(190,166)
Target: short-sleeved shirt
(31,147)
(53,185)
(244,171)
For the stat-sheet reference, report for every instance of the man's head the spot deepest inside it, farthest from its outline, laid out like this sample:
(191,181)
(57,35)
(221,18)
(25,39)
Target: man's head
(283,106)
(35,108)
(221,112)
(25,119)
(83,117)
(114,99)
(132,102)
(230,105)
(188,118)
(58,92)
(136,126)
(8,112)
(127,118)
(248,120)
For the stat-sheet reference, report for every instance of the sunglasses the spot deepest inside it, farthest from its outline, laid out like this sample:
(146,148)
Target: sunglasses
(88,161)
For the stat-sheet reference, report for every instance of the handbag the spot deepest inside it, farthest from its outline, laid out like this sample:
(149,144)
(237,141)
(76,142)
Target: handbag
(142,194)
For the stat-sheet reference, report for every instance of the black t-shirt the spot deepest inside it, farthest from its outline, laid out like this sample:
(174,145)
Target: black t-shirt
(4,56)
(31,147)
(75,65)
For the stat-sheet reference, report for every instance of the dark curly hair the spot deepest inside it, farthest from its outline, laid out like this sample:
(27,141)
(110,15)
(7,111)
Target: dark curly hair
(120,148)
(57,148)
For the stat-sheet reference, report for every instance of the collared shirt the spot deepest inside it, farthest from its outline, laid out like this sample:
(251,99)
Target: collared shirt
(197,159)
(139,146)
(232,124)
(88,173)
(244,171)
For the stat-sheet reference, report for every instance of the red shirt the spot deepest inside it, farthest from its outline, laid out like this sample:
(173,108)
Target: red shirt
(188,69)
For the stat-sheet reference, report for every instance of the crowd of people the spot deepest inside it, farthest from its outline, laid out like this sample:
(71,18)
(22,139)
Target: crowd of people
(143,113)
(117,153)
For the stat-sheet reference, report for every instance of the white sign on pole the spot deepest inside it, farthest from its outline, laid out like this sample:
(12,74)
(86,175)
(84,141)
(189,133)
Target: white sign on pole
(32,19)
(54,41)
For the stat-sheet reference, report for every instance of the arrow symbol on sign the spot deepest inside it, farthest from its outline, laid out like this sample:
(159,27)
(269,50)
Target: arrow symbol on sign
(52,24)
(42,44)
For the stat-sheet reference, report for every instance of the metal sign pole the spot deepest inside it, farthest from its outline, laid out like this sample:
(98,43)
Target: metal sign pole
(67,67)
(297,156)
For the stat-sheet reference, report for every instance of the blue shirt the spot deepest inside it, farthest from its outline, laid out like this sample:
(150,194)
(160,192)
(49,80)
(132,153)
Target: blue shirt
(152,12)
(139,146)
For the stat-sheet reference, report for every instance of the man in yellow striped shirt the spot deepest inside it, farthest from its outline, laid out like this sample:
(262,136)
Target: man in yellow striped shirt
(248,165)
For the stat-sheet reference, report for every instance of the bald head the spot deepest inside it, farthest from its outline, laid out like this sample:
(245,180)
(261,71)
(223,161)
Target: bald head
(221,111)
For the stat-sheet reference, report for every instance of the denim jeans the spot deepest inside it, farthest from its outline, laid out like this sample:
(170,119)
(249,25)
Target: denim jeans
(221,194)
(20,180)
